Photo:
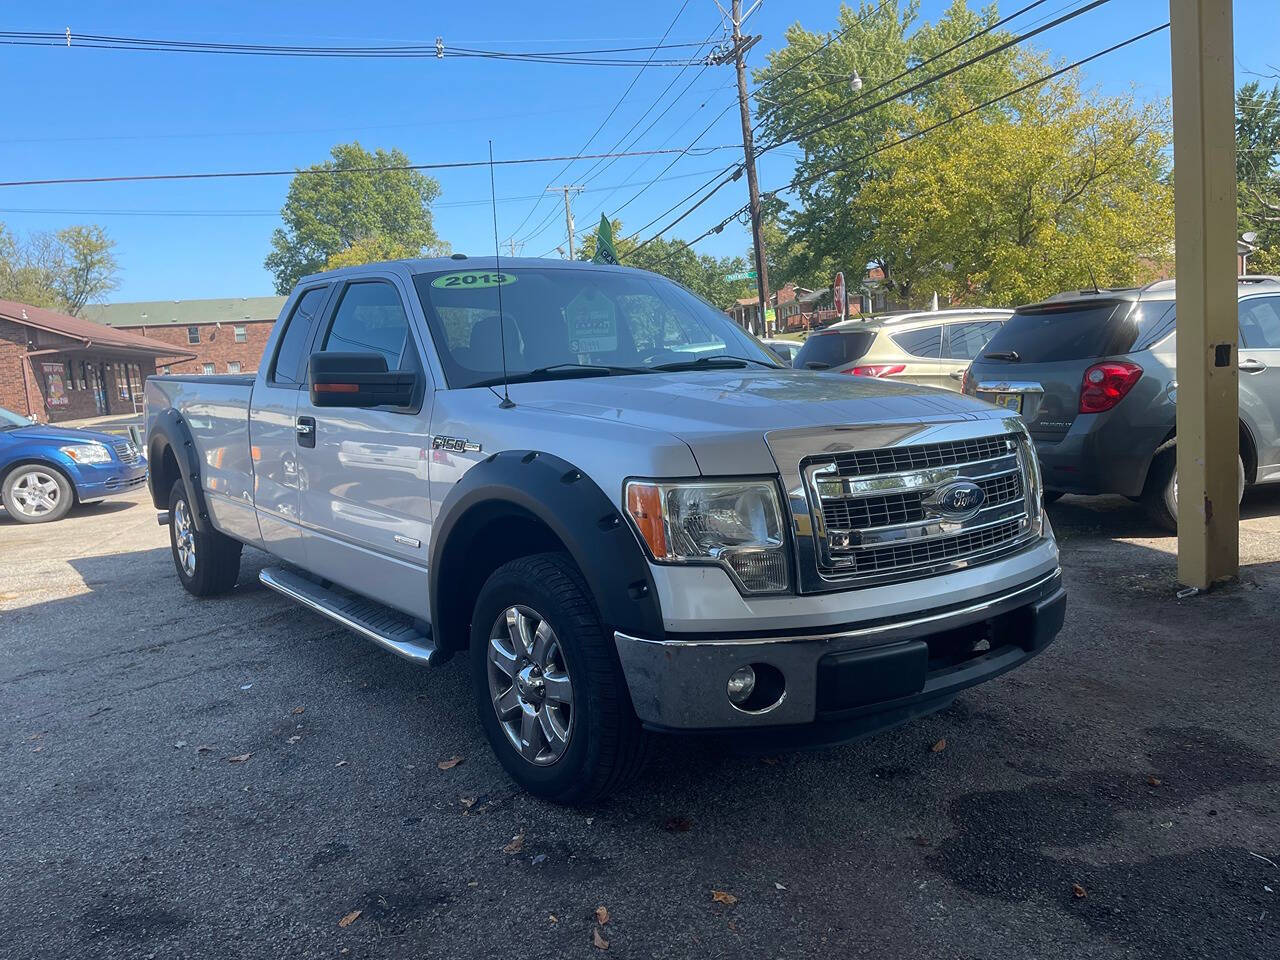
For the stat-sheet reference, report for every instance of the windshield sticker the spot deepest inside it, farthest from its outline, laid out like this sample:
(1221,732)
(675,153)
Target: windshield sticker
(592,322)
(473,280)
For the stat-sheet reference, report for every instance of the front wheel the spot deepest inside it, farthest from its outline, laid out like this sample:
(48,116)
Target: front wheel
(33,493)
(550,693)
(1161,495)
(207,563)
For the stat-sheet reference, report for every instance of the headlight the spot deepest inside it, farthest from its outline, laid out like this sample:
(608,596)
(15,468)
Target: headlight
(87,453)
(736,525)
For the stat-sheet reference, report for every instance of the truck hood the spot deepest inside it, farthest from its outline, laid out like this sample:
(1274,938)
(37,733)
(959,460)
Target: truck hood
(723,415)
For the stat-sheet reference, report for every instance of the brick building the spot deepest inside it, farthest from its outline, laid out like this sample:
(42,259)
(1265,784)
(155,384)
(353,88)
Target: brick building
(54,367)
(218,336)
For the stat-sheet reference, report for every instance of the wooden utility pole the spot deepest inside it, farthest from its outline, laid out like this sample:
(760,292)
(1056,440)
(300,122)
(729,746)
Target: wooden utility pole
(1207,322)
(568,212)
(740,46)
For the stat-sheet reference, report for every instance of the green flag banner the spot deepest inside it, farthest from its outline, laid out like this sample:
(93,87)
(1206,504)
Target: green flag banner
(604,243)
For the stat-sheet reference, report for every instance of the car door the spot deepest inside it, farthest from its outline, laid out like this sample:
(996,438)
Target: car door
(964,343)
(273,442)
(924,347)
(365,500)
(1259,365)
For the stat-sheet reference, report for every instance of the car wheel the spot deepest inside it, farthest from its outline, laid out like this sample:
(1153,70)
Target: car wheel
(207,563)
(1161,495)
(34,493)
(549,690)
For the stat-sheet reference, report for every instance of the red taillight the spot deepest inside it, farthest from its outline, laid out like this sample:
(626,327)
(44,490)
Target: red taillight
(966,382)
(1105,384)
(878,370)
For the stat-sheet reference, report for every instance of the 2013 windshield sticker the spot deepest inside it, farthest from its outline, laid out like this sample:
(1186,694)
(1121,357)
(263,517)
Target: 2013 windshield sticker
(473,280)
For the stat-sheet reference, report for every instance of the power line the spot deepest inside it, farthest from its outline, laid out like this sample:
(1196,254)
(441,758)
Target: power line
(322,171)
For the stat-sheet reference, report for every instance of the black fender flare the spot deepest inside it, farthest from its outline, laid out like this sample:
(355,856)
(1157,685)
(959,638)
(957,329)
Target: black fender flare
(170,432)
(555,492)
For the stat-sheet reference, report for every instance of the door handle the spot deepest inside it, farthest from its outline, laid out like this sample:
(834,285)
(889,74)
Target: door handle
(1250,365)
(306,430)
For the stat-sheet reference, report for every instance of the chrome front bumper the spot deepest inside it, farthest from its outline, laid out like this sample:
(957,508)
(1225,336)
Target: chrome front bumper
(679,683)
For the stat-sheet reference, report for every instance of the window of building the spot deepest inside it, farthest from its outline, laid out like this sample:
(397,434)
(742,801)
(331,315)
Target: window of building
(193,334)
(166,370)
(233,366)
(208,369)
(242,335)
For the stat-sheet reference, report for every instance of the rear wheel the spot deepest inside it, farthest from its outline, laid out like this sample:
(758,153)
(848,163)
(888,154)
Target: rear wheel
(207,563)
(550,693)
(34,493)
(1161,494)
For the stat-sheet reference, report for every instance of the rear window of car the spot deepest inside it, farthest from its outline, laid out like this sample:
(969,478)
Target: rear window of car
(1067,332)
(834,349)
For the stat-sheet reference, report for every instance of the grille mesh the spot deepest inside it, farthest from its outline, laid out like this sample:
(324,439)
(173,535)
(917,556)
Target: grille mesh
(863,463)
(885,510)
(929,552)
(125,451)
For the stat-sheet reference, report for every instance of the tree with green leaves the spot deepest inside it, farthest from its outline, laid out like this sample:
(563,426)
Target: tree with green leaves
(63,270)
(357,203)
(997,203)
(1258,172)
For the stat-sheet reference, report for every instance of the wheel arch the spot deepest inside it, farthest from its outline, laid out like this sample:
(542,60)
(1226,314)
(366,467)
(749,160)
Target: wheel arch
(35,461)
(172,455)
(523,502)
(1248,451)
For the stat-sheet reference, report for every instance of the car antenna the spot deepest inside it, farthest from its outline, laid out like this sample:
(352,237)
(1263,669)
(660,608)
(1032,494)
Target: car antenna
(506,403)
(1092,278)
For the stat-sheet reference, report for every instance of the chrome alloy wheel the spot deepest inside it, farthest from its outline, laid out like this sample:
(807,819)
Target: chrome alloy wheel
(529,685)
(184,537)
(36,493)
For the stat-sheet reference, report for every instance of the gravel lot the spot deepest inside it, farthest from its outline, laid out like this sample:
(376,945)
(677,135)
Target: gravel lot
(1118,797)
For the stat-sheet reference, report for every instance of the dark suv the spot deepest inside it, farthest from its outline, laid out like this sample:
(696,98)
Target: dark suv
(1093,373)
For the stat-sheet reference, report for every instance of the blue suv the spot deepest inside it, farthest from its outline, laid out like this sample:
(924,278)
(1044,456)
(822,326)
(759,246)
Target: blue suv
(45,470)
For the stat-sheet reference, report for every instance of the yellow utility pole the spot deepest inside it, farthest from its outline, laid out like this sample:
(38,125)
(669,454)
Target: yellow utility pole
(1204,159)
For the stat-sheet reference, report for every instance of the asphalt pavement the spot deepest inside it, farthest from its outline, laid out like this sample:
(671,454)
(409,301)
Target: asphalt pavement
(236,777)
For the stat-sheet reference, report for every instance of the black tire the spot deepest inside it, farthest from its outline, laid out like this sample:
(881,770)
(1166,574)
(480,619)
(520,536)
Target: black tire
(1161,494)
(606,746)
(27,502)
(1051,496)
(215,558)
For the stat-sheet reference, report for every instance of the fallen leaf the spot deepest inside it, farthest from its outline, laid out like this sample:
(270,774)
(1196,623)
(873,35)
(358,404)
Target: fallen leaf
(600,942)
(468,802)
(1153,781)
(450,763)
(204,748)
(239,758)
(778,886)
(719,896)
(350,918)
(180,744)
(939,746)
(246,686)
(516,844)
(293,739)
(678,825)
(341,763)
(602,915)
(297,710)
(1078,891)
(540,859)
(551,918)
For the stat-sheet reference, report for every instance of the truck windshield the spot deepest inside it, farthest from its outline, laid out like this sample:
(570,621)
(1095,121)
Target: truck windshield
(12,421)
(560,323)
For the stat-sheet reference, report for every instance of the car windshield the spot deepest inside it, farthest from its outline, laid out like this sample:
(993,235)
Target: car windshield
(12,421)
(825,350)
(560,323)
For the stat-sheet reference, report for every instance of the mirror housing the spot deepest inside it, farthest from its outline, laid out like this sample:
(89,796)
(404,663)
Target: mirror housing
(359,380)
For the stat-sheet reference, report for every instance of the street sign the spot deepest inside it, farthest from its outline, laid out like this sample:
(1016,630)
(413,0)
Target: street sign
(744,275)
(838,294)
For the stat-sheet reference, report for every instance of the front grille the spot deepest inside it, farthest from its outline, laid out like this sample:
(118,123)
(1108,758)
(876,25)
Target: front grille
(894,508)
(863,463)
(929,552)
(126,452)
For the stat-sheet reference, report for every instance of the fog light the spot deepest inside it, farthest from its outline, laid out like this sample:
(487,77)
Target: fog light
(742,683)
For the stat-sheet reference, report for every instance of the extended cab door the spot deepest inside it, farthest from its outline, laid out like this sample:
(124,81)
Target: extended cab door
(366,509)
(272,430)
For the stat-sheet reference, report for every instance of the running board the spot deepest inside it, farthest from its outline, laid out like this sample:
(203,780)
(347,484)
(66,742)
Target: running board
(384,626)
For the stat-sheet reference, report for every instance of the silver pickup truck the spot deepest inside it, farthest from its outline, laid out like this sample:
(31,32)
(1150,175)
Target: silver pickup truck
(617,504)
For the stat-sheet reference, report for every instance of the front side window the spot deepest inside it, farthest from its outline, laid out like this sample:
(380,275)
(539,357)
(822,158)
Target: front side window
(370,319)
(193,334)
(555,320)
(1260,323)
(288,363)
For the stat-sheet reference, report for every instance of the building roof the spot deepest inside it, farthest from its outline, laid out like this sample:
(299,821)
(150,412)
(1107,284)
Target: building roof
(86,331)
(158,313)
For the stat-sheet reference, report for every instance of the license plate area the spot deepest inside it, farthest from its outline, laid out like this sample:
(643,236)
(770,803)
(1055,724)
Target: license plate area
(1010,401)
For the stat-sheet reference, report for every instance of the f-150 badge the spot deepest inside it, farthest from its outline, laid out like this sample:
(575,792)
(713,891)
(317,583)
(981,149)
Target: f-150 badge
(456,444)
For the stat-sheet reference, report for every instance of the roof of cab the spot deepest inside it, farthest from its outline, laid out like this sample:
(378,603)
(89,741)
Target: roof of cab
(460,261)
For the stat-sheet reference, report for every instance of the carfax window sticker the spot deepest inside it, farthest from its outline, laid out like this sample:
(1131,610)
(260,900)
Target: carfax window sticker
(473,280)
(593,323)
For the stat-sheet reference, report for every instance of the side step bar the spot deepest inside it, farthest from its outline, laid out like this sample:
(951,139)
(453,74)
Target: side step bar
(384,626)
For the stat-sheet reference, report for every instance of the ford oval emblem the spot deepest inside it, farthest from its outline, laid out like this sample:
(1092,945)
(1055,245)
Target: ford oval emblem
(959,500)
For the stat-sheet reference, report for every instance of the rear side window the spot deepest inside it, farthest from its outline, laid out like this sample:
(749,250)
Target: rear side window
(297,331)
(834,349)
(1260,323)
(966,341)
(370,319)
(1067,332)
(925,343)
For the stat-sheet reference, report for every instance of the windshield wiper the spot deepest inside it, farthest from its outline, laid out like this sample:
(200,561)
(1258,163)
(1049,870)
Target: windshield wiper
(555,370)
(719,359)
(1010,355)
(817,365)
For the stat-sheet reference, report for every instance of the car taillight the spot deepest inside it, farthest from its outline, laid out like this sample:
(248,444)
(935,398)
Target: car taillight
(1105,384)
(966,382)
(878,370)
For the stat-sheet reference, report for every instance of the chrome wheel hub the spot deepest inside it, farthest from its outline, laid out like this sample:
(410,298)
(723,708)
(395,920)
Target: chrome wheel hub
(184,538)
(36,493)
(529,685)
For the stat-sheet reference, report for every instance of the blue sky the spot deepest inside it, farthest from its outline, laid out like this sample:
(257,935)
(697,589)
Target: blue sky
(100,113)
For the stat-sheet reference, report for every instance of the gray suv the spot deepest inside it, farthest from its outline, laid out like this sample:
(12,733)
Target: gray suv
(1093,373)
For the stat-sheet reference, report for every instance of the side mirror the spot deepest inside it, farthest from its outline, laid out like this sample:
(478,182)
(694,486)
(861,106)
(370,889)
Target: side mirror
(359,380)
